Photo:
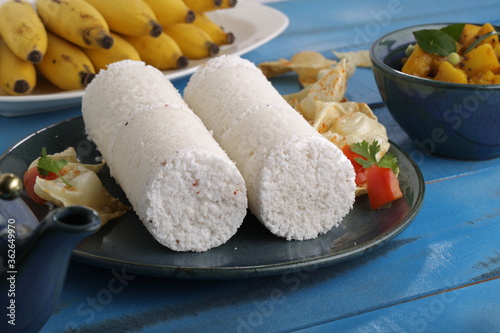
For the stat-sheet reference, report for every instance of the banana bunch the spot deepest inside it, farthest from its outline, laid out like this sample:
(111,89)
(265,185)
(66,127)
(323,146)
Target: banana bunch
(76,21)
(128,17)
(69,41)
(18,76)
(187,24)
(120,50)
(171,12)
(161,52)
(209,5)
(23,44)
(215,31)
(65,64)
(23,31)
(193,41)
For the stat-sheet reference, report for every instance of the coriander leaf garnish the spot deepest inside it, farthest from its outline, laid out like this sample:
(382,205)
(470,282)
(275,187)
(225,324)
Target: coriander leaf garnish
(46,164)
(389,161)
(435,42)
(369,152)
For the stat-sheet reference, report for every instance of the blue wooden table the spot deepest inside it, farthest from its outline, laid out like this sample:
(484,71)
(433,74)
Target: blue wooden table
(441,274)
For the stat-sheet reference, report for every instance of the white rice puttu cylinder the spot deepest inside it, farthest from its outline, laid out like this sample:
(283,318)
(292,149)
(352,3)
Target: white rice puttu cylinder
(186,191)
(124,89)
(299,184)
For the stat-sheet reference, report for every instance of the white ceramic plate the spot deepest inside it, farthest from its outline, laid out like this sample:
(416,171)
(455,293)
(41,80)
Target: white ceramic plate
(252,23)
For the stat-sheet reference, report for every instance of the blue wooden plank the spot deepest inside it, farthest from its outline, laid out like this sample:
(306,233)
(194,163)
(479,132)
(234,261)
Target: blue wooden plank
(417,263)
(465,309)
(14,129)
(335,25)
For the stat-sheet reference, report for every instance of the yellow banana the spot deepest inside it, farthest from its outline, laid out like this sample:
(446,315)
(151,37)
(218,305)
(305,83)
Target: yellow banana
(169,12)
(193,41)
(228,4)
(128,17)
(120,50)
(65,64)
(215,31)
(18,76)
(161,52)
(203,5)
(75,21)
(22,30)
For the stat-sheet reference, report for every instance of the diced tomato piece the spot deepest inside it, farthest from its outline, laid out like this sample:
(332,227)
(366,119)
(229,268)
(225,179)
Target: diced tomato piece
(352,157)
(361,176)
(382,186)
(358,168)
(29,181)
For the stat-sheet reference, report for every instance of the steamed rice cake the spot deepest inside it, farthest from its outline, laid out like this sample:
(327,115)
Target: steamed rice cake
(186,191)
(299,184)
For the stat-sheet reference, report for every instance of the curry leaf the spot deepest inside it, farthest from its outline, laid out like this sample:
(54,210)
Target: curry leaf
(454,30)
(435,42)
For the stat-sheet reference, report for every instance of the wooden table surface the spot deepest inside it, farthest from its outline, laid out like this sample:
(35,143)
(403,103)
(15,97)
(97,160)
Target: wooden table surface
(441,274)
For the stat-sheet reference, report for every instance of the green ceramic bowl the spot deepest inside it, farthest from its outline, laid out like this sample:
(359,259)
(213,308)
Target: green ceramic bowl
(459,121)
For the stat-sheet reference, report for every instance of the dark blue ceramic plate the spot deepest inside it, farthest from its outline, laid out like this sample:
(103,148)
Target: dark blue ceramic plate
(253,251)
